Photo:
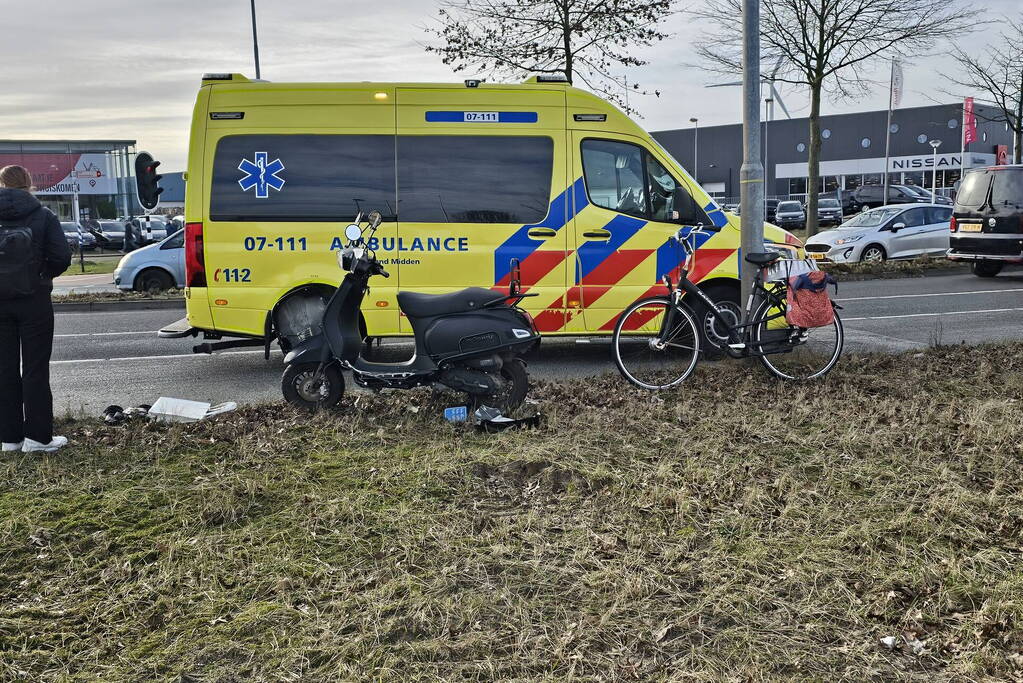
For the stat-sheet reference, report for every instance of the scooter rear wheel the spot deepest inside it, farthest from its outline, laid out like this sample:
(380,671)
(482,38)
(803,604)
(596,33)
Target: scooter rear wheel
(512,394)
(301,386)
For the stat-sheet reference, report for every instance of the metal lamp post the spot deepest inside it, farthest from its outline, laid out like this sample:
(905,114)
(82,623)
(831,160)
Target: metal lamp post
(934,171)
(255,41)
(751,175)
(696,148)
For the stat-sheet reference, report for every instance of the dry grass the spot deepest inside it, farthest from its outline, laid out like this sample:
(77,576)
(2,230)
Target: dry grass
(739,529)
(96,297)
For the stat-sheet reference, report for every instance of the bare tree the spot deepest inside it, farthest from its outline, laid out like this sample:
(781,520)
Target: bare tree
(585,40)
(829,46)
(998,74)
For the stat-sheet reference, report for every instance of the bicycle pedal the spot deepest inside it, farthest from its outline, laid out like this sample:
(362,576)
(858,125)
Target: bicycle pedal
(737,347)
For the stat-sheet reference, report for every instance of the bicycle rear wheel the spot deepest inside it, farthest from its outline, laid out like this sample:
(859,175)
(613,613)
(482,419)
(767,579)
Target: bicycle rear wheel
(795,353)
(648,358)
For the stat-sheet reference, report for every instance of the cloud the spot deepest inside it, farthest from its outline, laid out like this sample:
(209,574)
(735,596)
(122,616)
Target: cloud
(130,69)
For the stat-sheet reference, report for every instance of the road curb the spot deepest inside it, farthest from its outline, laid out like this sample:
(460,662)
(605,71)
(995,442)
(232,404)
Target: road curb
(108,306)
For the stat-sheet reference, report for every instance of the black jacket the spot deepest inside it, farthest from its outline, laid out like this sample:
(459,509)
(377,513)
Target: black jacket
(54,254)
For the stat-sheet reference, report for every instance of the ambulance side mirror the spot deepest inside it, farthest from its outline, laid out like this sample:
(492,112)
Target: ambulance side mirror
(685,210)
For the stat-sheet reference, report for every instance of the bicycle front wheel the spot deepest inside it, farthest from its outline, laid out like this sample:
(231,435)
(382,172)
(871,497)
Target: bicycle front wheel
(795,353)
(650,355)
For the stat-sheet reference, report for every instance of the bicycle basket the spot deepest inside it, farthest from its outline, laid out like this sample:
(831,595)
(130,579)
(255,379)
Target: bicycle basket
(782,269)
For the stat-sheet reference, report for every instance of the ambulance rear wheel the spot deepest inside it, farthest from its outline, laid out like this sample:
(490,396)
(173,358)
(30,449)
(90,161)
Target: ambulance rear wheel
(303,386)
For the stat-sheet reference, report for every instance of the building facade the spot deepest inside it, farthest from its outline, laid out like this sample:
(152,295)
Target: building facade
(83,178)
(852,151)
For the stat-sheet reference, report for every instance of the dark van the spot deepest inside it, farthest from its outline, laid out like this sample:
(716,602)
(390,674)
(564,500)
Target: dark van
(987,220)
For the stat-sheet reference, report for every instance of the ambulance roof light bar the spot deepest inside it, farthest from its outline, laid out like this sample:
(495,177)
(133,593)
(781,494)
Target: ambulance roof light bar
(548,78)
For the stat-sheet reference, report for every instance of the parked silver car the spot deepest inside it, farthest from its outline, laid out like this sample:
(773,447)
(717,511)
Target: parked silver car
(155,268)
(887,232)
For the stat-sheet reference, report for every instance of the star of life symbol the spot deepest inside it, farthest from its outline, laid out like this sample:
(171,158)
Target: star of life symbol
(261,174)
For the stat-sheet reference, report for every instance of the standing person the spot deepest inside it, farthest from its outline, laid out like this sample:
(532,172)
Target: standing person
(33,251)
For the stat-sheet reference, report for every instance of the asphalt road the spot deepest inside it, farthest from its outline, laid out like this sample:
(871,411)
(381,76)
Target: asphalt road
(102,358)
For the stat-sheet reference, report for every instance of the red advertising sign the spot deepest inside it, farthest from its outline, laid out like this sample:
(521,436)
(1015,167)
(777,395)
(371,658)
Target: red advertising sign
(1001,155)
(969,122)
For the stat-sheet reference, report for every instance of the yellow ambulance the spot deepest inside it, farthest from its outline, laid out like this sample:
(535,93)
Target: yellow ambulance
(477,183)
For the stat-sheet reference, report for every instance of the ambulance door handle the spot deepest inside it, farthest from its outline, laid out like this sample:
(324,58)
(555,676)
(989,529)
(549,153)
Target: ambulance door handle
(601,234)
(542,232)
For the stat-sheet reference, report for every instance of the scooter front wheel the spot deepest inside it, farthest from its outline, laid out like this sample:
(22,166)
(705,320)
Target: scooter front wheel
(304,387)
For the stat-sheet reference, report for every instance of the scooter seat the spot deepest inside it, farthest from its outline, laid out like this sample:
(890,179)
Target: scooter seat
(417,305)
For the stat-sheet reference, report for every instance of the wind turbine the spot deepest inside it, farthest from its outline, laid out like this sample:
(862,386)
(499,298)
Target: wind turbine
(769,101)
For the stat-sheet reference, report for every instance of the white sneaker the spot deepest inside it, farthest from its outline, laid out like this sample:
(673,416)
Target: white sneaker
(13,446)
(31,445)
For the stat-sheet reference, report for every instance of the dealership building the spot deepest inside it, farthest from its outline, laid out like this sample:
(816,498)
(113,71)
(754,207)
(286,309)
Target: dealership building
(852,150)
(88,178)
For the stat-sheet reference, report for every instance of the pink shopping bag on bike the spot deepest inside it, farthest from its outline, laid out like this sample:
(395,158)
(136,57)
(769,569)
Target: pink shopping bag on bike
(808,302)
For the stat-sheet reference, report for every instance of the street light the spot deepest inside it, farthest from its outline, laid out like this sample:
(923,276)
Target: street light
(769,102)
(696,137)
(934,171)
(255,42)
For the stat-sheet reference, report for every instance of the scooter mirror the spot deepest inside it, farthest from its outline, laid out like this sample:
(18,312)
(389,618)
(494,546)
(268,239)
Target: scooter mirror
(353,232)
(375,219)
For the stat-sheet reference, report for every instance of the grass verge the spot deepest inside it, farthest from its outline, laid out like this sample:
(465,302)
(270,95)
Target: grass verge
(97,297)
(918,267)
(98,266)
(738,529)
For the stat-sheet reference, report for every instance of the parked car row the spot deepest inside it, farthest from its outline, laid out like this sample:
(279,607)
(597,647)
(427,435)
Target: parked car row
(872,196)
(792,214)
(109,234)
(78,239)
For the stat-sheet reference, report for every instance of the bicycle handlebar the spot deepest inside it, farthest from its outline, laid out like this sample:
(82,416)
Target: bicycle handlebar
(687,232)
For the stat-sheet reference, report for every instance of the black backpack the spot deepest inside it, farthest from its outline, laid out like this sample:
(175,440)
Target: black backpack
(19,266)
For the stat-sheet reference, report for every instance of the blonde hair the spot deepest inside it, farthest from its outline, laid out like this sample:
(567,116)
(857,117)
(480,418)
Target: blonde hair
(15,177)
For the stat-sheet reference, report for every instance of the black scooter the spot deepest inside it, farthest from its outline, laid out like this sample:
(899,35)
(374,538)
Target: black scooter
(471,340)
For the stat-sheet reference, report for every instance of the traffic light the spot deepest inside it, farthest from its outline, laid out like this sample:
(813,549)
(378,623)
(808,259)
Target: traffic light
(147,180)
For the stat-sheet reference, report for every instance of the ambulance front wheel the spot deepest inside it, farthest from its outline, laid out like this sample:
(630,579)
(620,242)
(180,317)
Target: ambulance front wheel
(713,337)
(305,386)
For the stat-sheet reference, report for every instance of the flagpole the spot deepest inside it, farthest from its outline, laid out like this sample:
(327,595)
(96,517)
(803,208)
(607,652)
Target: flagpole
(888,129)
(962,152)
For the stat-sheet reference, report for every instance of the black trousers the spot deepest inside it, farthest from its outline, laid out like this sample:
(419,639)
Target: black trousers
(26,342)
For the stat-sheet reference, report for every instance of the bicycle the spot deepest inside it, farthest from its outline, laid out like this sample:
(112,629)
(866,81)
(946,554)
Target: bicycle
(656,341)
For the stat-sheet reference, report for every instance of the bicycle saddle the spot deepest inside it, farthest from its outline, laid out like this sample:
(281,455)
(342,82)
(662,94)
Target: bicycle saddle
(763,258)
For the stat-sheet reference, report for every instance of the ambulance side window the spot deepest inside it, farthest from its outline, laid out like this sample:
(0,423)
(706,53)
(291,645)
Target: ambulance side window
(474,178)
(662,189)
(614,176)
(626,178)
(323,178)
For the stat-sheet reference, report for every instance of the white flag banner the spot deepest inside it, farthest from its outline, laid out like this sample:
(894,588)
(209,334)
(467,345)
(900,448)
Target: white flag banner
(897,84)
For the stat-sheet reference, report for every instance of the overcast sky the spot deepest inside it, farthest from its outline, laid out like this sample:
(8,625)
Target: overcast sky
(129,69)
